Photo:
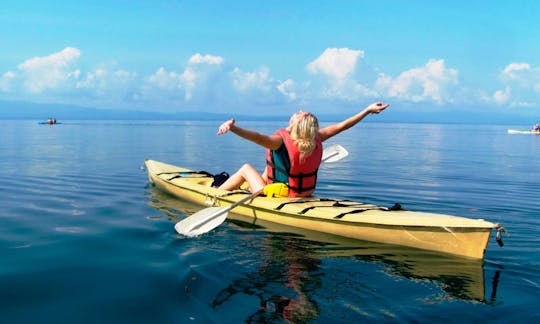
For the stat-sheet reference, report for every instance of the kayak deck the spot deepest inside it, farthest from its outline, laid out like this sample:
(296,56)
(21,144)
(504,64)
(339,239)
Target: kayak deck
(430,231)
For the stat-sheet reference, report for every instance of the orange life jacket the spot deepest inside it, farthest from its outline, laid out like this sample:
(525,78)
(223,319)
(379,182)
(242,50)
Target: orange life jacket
(284,165)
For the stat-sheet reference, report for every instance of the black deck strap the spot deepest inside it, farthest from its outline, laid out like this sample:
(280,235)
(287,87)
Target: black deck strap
(307,200)
(235,192)
(173,172)
(178,174)
(395,207)
(336,204)
(357,211)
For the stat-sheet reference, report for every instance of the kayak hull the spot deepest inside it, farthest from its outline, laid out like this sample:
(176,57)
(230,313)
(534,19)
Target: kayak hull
(429,231)
(515,131)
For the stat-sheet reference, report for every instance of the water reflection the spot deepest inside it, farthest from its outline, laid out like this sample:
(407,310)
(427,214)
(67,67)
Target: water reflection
(291,273)
(460,278)
(283,284)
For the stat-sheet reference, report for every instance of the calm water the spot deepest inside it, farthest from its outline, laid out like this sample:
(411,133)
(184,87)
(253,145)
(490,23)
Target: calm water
(85,239)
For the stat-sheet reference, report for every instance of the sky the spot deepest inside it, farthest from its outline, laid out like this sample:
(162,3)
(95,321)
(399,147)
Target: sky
(273,57)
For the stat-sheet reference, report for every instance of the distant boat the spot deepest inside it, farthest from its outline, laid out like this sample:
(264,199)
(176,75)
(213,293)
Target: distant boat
(515,131)
(50,121)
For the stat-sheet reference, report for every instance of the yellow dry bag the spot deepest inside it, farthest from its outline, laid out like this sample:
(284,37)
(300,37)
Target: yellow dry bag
(278,189)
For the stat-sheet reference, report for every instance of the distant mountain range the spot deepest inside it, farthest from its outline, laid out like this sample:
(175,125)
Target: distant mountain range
(34,111)
(11,110)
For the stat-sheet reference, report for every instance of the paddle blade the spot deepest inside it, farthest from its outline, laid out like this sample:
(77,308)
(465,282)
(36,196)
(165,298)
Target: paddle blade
(202,221)
(334,153)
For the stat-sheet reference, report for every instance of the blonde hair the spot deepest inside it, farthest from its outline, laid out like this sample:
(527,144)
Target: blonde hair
(303,132)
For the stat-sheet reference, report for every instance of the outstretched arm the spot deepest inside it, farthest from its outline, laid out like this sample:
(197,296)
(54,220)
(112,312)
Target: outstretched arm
(272,142)
(332,130)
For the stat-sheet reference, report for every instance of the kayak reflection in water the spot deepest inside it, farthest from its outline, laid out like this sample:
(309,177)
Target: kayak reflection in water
(284,285)
(293,154)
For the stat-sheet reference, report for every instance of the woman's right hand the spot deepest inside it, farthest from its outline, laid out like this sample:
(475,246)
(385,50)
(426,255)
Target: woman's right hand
(225,127)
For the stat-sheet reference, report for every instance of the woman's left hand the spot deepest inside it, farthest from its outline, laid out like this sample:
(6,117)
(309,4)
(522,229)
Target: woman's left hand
(377,107)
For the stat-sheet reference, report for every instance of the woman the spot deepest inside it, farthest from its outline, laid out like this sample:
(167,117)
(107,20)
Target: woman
(293,154)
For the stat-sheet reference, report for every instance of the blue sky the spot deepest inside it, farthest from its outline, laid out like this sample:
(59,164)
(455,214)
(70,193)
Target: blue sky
(273,57)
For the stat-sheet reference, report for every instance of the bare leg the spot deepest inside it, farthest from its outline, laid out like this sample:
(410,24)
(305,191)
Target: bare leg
(265,176)
(245,173)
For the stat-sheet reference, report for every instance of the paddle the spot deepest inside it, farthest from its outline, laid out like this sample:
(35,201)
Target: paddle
(209,218)
(334,153)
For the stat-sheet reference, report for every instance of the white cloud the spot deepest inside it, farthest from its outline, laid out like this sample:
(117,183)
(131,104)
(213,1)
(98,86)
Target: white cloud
(522,74)
(205,59)
(246,81)
(260,87)
(502,96)
(204,80)
(337,75)
(165,80)
(338,66)
(164,86)
(199,74)
(93,79)
(202,76)
(431,82)
(287,89)
(6,81)
(521,83)
(50,72)
(337,63)
(105,83)
(513,70)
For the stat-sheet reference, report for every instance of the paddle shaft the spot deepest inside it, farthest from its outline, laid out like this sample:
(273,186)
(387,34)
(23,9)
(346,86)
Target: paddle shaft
(225,209)
(243,200)
(329,156)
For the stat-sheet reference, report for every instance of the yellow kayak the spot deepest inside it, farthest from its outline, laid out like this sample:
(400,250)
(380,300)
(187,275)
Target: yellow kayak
(429,231)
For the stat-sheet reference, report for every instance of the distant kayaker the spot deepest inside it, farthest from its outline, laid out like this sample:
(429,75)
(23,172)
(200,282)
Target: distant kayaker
(293,154)
(536,128)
